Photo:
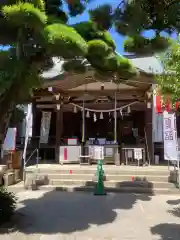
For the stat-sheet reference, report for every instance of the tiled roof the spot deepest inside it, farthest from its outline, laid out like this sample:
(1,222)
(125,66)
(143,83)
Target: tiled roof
(151,65)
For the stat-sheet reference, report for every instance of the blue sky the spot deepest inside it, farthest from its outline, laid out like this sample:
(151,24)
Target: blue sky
(117,37)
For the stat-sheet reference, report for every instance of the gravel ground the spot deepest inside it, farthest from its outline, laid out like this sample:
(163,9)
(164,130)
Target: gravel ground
(51,215)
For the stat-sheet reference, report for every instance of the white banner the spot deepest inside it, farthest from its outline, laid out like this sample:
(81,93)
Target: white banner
(28,133)
(170,137)
(45,126)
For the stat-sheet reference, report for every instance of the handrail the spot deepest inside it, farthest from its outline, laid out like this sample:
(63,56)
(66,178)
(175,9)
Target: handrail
(25,162)
(30,156)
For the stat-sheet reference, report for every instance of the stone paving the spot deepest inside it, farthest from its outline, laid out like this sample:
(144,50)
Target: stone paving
(60,215)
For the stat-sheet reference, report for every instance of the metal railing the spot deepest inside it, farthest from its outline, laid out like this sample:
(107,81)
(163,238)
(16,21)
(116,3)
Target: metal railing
(36,151)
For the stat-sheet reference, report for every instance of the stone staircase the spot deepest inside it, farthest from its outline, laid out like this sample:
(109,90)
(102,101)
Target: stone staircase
(149,180)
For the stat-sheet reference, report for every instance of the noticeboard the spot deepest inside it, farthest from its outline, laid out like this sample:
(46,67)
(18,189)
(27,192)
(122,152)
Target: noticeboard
(10,140)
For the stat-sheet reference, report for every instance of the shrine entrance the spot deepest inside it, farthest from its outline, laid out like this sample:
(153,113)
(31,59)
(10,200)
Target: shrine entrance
(115,116)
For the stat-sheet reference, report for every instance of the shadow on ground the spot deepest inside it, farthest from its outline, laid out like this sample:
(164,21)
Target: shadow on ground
(167,231)
(67,212)
(176,210)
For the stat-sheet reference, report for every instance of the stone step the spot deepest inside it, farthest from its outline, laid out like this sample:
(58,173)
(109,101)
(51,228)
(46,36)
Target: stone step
(113,184)
(118,177)
(121,171)
(135,190)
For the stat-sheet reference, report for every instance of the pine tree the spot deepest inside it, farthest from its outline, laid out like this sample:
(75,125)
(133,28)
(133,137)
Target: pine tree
(132,17)
(36,31)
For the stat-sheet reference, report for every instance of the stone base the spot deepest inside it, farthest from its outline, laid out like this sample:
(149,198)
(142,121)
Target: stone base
(9,179)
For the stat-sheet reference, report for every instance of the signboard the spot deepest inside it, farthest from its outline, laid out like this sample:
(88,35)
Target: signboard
(72,141)
(98,152)
(170,137)
(45,126)
(138,153)
(109,151)
(10,140)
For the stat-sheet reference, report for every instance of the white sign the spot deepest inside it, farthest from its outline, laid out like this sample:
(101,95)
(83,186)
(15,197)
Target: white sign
(10,140)
(45,126)
(72,141)
(98,152)
(170,137)
(29,120)
(109,151)
(138,153)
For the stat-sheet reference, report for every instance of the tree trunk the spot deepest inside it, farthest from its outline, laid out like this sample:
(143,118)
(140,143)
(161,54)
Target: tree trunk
(7,105)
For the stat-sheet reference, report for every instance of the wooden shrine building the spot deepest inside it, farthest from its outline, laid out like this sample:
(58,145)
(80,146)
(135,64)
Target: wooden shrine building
(75,110)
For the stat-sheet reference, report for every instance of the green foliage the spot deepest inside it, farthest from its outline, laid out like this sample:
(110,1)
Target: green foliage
(170,82)
(142,45)
(24,15)
(76,7)
(18,116)
(8,205)
(64,41)
(90,31)
(126,70)
(97,48)
(75,65)
(132,17)
(103,16)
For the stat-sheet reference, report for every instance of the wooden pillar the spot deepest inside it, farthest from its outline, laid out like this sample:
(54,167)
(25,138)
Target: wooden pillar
(59,129)
(115,119)
(149,136)
(34,118)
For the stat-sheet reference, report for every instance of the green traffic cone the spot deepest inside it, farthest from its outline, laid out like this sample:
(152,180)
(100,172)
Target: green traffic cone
(99,188)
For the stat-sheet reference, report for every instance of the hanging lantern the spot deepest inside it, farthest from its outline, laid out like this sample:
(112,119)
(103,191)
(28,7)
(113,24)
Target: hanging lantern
(87,114)
(168,105)
(94,117)
(75,109)
(176,106)
(128,109)
(101,115)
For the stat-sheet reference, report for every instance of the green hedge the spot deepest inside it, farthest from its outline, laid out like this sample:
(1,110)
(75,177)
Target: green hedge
(7,205)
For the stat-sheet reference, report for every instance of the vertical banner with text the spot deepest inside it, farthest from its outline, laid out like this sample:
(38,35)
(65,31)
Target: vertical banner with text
(170,137)
(45,127)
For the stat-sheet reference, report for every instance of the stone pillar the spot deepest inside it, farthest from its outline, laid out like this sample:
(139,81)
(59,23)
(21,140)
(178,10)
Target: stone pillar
(149,136)
(59,129)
